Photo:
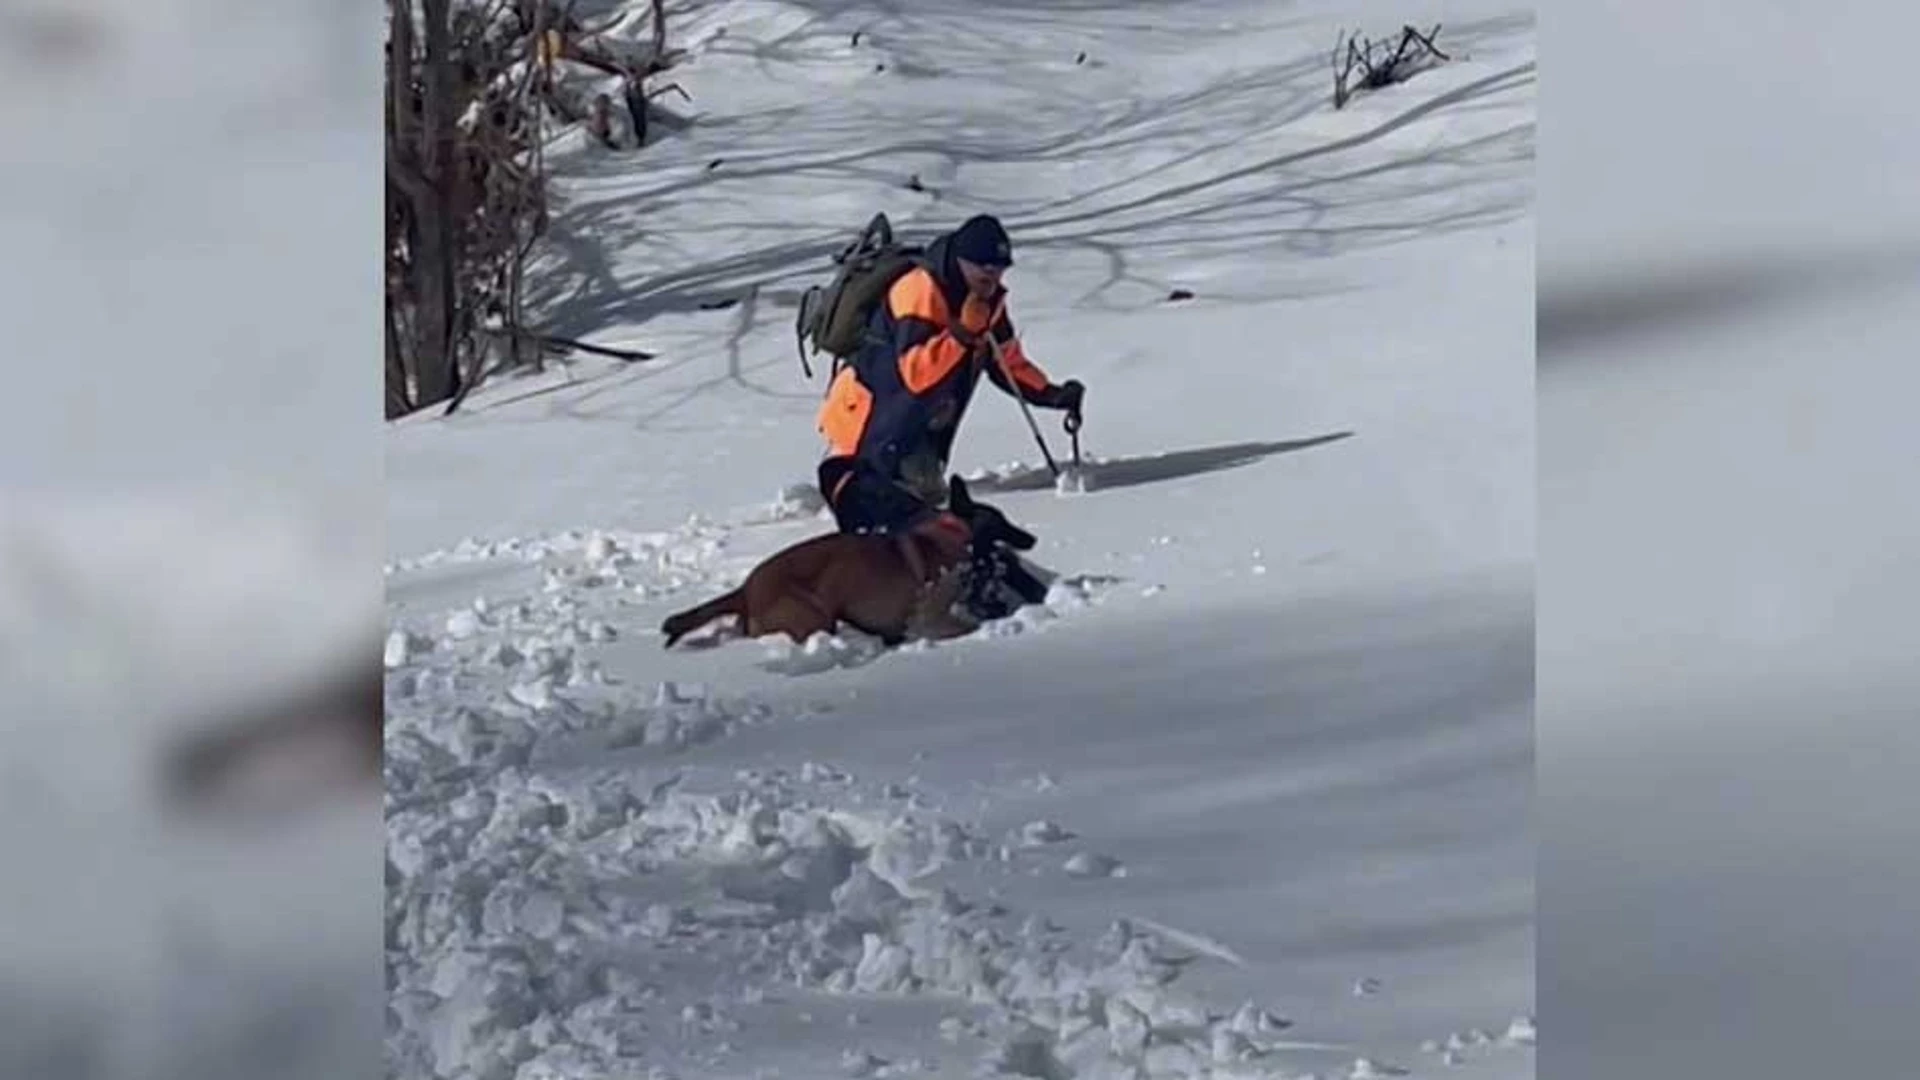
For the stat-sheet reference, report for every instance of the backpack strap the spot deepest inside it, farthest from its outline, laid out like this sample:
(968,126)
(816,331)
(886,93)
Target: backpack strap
(808,301)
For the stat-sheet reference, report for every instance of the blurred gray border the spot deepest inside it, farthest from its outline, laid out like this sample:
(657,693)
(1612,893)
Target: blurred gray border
(1729,300)
(191,527)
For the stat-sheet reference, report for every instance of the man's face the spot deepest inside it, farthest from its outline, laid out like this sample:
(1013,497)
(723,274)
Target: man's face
(981,280)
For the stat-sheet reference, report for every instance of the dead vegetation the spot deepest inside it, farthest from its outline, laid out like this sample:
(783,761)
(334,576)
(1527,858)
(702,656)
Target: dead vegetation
(476,89)
(1382,63)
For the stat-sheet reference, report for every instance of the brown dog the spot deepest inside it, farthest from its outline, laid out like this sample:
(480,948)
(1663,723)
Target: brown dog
(891,586)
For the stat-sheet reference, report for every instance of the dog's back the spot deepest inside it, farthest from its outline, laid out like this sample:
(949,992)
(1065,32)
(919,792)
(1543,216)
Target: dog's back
(866,580)
(806,586)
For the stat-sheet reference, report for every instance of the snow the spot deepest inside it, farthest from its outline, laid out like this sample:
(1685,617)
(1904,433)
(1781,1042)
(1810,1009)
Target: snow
(1268,738)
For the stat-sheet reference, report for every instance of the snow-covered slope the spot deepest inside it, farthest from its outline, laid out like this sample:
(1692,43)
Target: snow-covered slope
(1247,797)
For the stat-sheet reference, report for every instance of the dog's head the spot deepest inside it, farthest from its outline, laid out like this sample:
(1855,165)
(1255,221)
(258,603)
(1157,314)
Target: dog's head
(989,526)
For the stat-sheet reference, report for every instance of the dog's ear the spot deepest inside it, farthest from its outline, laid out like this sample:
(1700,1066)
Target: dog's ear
(997,528)
(958,498)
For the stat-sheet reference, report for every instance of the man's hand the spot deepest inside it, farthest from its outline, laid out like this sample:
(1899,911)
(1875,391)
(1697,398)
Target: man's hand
(1069,397)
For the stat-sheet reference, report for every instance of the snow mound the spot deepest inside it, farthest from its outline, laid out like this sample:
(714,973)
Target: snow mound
(821,653)
(1086,864)
(596,546)
(796,502)
(1041,833)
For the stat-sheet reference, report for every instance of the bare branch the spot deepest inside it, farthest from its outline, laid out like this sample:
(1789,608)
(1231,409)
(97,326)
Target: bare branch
(659,12)
(1426,39)
(1413,52)
(629,355)
(1341,72)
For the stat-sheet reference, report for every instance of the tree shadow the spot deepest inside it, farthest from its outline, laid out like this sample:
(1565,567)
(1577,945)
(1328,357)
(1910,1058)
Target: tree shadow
(1283,199)
(1111,473)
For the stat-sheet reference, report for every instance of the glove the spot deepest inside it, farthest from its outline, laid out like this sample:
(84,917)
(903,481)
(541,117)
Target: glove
(1068,397)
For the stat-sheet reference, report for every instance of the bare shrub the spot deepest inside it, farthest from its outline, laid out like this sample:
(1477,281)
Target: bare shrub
(1382,63)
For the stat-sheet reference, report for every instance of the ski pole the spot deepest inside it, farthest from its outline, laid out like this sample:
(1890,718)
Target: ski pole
(1025,409)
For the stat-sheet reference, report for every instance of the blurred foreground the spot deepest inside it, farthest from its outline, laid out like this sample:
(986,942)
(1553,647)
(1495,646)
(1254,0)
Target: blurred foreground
(1729,299)
(189,541)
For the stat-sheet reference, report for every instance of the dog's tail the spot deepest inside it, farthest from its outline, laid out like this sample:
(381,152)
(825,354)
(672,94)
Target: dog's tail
(686,622)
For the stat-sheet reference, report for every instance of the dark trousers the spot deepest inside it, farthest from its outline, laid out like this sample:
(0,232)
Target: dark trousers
(864,500)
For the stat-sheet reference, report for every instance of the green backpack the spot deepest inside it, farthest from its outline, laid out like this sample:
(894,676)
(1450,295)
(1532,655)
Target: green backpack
(833,318)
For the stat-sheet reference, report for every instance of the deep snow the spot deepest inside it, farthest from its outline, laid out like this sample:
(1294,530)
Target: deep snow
(1249,796)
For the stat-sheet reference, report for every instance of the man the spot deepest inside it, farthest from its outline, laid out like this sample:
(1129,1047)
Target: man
(891,414)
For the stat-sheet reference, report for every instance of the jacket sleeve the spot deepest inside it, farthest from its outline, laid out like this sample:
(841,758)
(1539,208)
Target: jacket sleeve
(1034,386)
(923,343)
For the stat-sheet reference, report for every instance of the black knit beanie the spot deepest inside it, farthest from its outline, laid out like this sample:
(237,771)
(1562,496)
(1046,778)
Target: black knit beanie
(982,240)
